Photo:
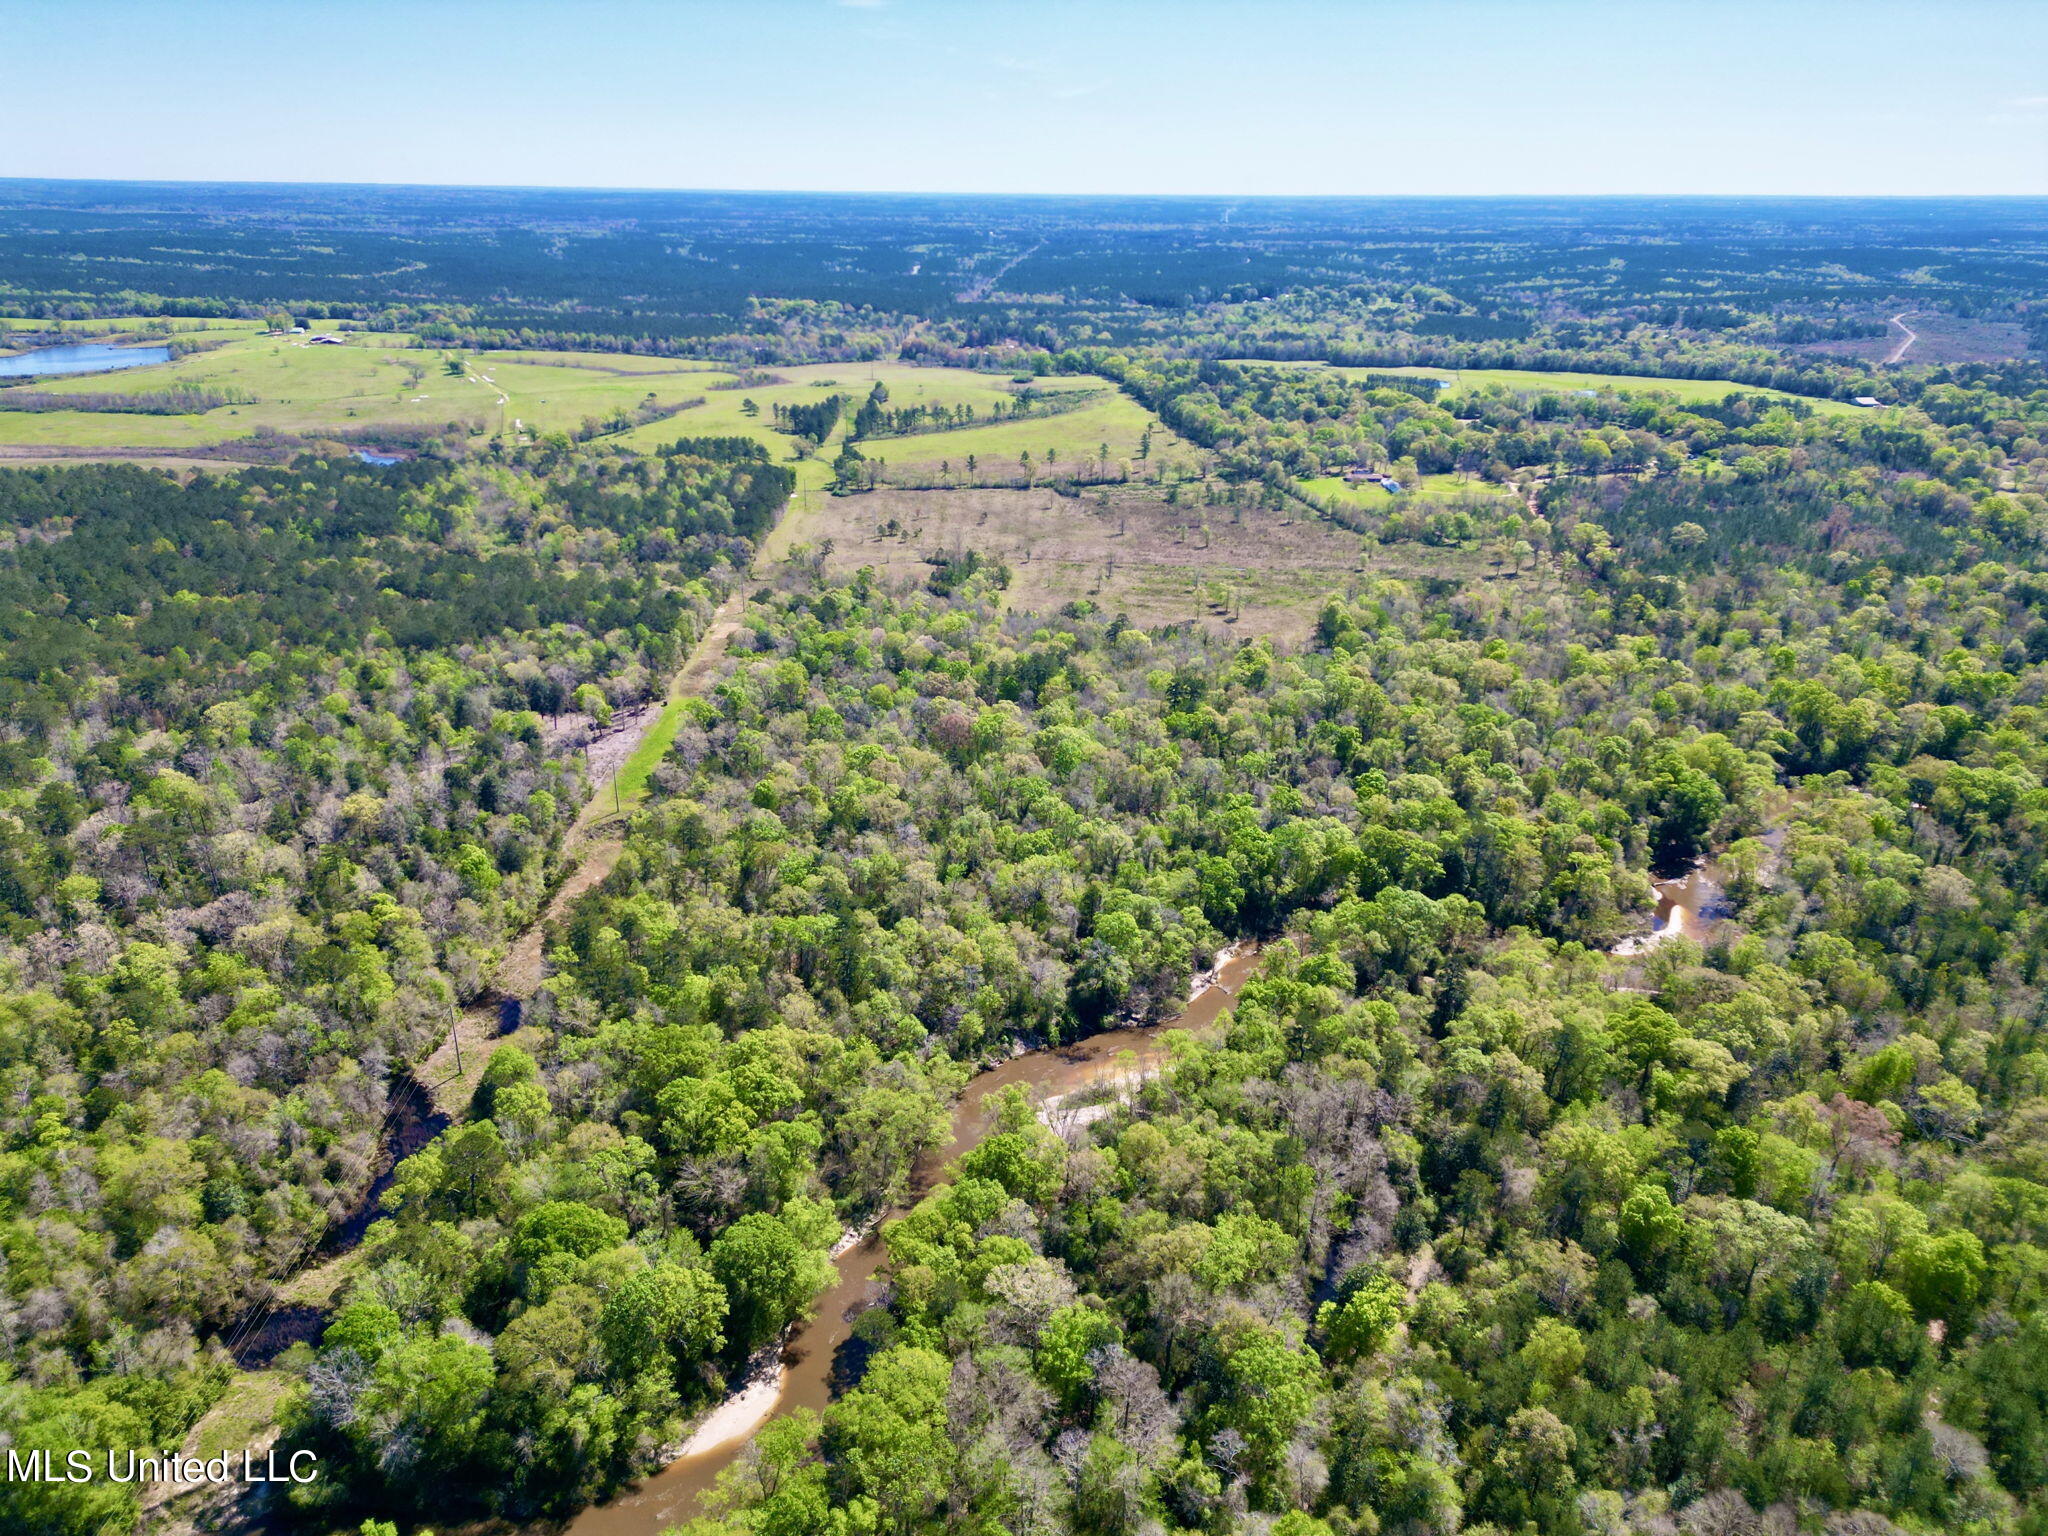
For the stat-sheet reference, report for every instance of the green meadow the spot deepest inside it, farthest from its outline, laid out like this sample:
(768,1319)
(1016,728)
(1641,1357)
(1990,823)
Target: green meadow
(1435,490)
(375,380)
(382,380)
(1073,439)
(1530,381)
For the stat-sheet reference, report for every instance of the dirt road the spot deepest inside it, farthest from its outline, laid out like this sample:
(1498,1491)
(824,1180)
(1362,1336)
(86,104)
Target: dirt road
(1906,339)
(594,844)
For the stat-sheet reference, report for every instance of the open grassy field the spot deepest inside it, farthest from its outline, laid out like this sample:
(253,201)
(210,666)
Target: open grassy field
(1435,490)
(386,381)
(616,363)
(1530,381)
(297,388)
(1126,551)
(1074,436)
(375,380)
(806,385)
(245,1416)
(1104,433)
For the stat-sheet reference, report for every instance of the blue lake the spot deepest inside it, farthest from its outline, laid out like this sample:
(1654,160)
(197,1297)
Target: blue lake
(86,357)
(378,458)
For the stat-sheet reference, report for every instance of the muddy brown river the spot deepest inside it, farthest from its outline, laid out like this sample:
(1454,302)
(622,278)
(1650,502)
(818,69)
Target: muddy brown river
(1687,908)
(806,1376)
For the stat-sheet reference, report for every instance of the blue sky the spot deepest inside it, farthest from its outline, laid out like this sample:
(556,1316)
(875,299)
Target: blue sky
(1164,96)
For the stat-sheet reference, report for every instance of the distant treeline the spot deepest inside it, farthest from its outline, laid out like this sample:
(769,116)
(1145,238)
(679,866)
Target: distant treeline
(720,450)
(1798,329)
(181,400)
(813,422)
(621,420)
(1816,380)
(1474,327)
(875,419)
(1421,386)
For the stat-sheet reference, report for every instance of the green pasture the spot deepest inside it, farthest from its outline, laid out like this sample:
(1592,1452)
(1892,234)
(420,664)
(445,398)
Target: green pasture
(722,414)
(375,380)
(297,388)
(1435,490)
(380,379)
(1531,381)
(1076,437)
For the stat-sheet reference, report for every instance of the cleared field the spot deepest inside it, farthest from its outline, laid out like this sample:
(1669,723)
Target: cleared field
(243,1417)
(1126,551)
(724,413)
(1533,382)
(375,380)
(385,381)
(1435,491)
(297,388)
(526,398)
(1102,435)
(127,328)
(918,455)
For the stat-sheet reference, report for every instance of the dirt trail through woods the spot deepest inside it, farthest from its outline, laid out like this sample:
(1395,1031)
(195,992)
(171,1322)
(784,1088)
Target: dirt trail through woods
(594,844)
(1906,340)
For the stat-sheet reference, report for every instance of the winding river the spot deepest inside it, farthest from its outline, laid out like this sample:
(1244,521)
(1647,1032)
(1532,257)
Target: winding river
(810,1366)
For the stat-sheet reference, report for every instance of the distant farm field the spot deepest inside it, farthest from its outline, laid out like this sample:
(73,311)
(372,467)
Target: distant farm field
(1103,435)
(725,410)
(295,387)
(374,380)
(1531,381)
(380,381)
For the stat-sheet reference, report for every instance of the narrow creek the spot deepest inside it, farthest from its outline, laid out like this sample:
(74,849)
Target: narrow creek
(809,1372)
(267,1330)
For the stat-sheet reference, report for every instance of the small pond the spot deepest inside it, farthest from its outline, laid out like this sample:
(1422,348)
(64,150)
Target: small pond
(85,357)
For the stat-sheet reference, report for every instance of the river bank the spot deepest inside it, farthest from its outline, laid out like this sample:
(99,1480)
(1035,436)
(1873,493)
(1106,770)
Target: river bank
(1687,908)
(813,1362)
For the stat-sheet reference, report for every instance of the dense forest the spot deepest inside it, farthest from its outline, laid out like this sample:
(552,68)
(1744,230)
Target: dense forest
(1480,1211)
(289,754)
(1697,287)
(1459,1220)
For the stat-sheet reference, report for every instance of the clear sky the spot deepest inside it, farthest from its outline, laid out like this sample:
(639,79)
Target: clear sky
(1166,96)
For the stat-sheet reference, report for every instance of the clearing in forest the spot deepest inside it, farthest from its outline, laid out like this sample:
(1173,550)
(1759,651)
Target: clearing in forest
(1434,491)
(1095,432)
(1237,570)
(724,411)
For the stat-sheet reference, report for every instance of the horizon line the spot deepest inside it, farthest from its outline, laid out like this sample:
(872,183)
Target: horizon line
(1267,197)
